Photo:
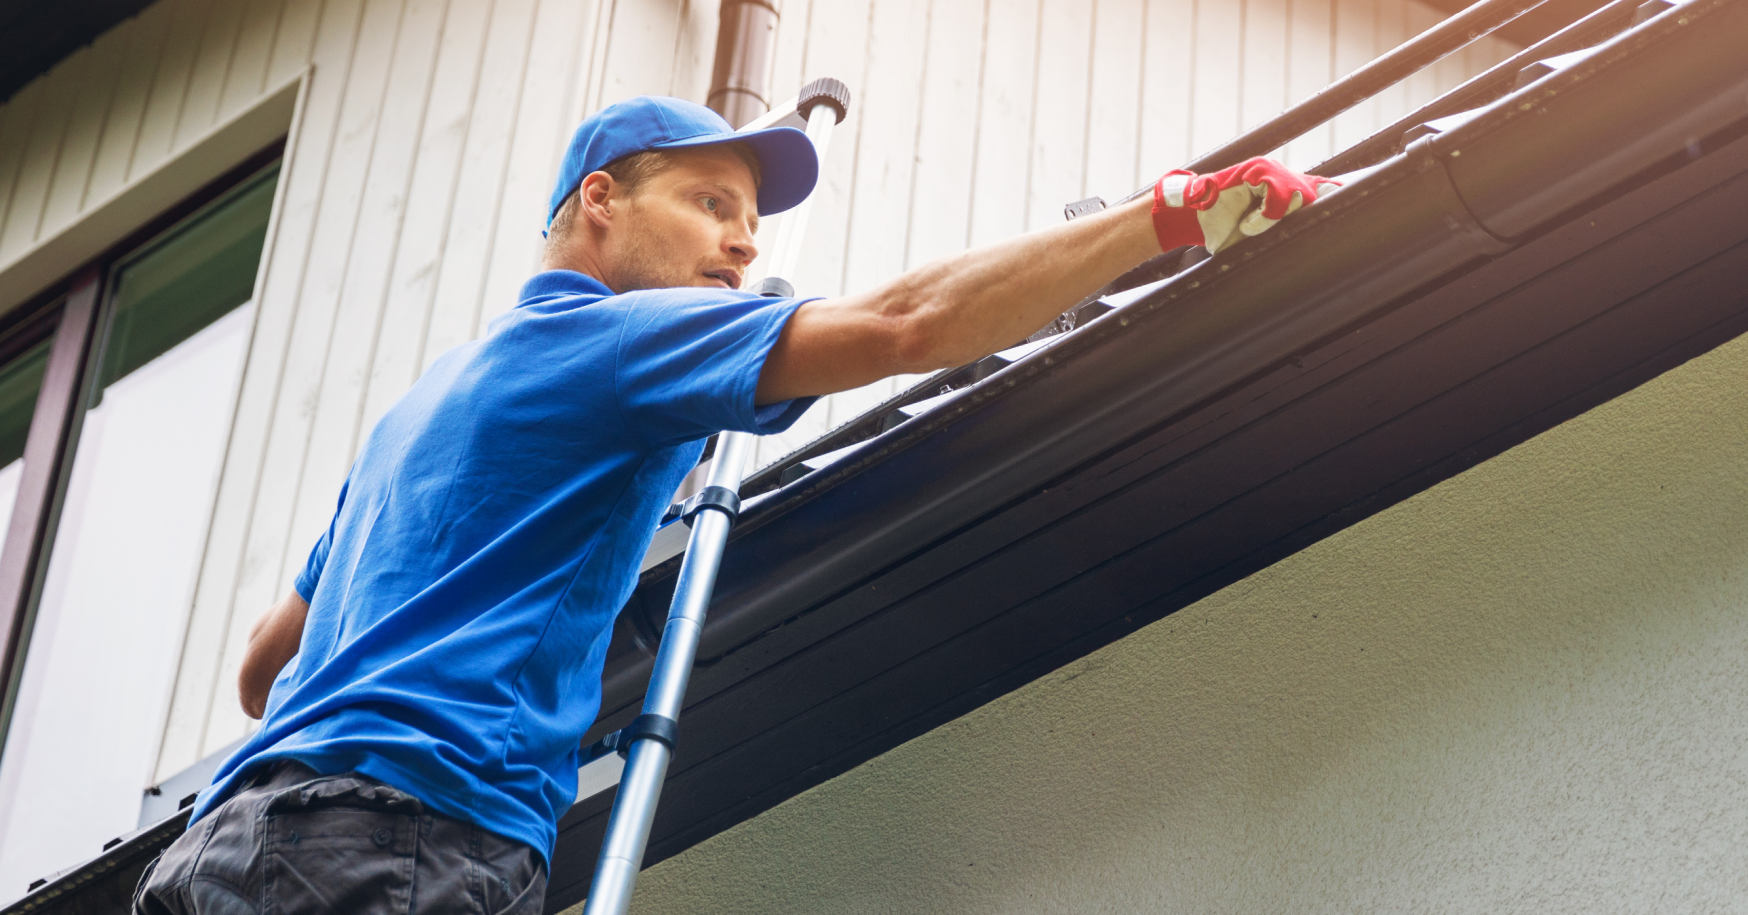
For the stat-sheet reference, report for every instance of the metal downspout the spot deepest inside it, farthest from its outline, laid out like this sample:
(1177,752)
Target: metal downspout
(739,89)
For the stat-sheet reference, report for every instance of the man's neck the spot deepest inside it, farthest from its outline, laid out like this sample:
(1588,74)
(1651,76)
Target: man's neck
(575,265)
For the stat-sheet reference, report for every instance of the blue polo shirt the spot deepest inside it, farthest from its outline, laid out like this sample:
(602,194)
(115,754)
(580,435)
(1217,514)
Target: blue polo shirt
(462,599)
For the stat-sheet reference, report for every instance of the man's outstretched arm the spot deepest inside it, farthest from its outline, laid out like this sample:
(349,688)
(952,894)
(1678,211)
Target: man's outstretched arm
(954,310)
(273,642)
(972,304)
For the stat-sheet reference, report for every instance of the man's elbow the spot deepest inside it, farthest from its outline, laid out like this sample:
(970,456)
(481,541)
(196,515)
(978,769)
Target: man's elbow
(249,693)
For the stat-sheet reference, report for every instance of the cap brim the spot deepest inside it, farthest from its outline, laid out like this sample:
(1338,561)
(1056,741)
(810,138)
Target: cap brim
(787,160)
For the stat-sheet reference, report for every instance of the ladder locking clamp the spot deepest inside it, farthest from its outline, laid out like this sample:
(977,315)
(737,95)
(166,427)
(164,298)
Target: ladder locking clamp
(721,498)
(654,727)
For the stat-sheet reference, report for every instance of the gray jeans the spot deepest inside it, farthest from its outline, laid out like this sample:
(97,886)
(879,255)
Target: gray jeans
(293,842)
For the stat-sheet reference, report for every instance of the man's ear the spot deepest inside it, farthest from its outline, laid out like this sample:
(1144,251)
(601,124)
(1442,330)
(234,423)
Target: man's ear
(596,197)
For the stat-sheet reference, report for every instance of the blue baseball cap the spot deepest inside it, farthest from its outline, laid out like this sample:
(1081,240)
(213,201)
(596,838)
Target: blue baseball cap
(786,157)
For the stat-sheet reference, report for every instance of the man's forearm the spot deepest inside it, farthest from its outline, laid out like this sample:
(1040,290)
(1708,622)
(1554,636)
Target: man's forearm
(273,642)
(956,309)
(982,300)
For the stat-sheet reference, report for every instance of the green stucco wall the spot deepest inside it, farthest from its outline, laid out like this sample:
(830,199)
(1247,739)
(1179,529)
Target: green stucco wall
(1523,690)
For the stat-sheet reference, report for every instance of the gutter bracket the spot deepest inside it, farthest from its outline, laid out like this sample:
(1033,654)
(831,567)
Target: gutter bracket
(1452,208)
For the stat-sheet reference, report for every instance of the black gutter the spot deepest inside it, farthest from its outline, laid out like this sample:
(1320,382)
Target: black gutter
(1561,139)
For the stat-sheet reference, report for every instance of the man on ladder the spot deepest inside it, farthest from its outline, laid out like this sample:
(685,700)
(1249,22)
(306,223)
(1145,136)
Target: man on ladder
(424,689)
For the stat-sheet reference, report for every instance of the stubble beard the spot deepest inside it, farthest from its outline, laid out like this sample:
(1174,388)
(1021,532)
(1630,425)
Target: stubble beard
(644,264)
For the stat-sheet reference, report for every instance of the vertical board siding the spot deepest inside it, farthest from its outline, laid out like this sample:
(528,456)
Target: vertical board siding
(379,139)
(15,132)
(694,49)
(1216,77)
(939,210)
(540,137)
(210,71)
(1417,18)
(1264,67)
(461,274)
(430,200)
(594,64)
(884,154)
(1310,67)
(40,155)
(389,194)
(1057,170)
(640,51)
(293,39)
(1004,111)
(251,56)
(1167,79)
(1113,107)
(1355,43)
(144,36)
(835,43)
(416,184)
(72,175)
(792,43)
(170,82)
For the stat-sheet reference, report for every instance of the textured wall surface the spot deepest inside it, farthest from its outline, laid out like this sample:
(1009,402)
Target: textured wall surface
(1520,691)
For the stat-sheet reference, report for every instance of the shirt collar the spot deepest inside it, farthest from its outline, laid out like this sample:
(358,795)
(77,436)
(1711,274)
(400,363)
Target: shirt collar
(554,283)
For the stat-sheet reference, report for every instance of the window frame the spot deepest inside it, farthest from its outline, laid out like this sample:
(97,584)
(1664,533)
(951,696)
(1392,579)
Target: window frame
(76,311)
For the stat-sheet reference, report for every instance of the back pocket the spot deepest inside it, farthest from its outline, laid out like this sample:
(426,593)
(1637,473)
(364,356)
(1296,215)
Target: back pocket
(338,859)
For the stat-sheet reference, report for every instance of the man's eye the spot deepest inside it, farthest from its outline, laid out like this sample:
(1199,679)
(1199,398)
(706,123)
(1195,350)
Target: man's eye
(710,204)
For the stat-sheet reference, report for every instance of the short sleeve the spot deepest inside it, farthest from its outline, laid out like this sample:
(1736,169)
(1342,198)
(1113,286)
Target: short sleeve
(312,568)
(688,363)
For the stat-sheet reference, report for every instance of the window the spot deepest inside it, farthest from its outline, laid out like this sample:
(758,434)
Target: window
(111,586)
(20,380)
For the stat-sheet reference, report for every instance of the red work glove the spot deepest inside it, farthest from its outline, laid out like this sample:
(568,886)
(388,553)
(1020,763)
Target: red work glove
(1218,210)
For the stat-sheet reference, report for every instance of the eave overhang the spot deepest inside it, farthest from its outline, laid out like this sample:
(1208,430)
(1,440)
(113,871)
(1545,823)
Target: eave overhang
(37,34)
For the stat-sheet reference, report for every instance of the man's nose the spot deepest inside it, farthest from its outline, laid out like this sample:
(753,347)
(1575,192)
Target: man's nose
(740,244)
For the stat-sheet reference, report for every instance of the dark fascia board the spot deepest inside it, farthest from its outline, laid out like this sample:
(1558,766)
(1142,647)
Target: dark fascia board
(37,34)
(1581,236)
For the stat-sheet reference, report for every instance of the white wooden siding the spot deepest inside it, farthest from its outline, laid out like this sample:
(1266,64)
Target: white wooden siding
(417,180)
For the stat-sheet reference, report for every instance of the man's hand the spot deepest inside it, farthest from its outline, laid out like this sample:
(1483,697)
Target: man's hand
(972,304)
(1218,210)
(273,642)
